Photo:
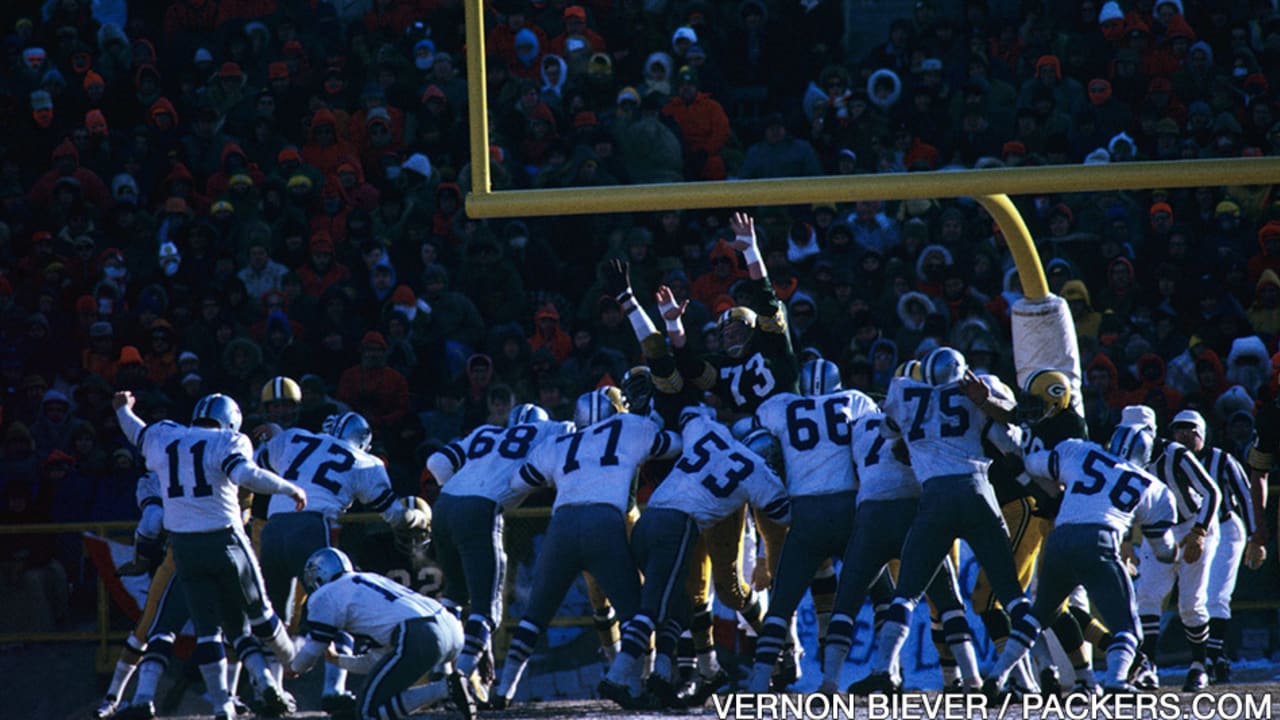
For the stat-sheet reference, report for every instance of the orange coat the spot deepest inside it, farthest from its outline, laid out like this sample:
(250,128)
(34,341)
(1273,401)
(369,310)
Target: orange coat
(705,129)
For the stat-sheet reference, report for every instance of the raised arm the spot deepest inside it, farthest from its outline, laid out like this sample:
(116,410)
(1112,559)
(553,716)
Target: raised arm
(130,424)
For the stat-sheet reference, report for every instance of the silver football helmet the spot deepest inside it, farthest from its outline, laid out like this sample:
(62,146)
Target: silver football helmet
(942,366)
(351,427)
(219,410)
(1134,443)
(526,413)
(594,406)
(819,377)
(323,566)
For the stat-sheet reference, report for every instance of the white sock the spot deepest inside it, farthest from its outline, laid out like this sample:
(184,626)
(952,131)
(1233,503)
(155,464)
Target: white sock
(233,677)
(624,670)
(967,663)
(511,672)
(708,665)
(215,680)
(892,637)
(120,678)
(260,675)
(1012,656)
(833,657)
(149,674)
(423,696)
(335,680)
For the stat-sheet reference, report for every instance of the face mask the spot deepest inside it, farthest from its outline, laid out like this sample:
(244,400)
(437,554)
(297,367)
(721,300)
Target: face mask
(170,268)
(392,172)
(519,242)
(424,63)
(115,272)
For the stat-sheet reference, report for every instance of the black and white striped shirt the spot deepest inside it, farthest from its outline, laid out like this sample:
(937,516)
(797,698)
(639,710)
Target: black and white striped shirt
(1194,490)
(1233,484)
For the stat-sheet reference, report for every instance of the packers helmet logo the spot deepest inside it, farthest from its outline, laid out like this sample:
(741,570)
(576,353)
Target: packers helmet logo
(1056,390)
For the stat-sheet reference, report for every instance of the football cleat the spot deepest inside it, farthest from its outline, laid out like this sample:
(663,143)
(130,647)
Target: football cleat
(1197,679)
(695,694)
(663,690)
(277,702)
(106,708)
(341,706)
(459,693)
(1121,689)
(1085,687)
(496,702)
(137,711)
(620,695)
(879,682)
(1050,682)
(992,690)
(1144,674)
(787,670)
(1221,672)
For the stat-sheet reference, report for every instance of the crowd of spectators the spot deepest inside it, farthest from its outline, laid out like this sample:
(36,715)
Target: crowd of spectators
(198,195)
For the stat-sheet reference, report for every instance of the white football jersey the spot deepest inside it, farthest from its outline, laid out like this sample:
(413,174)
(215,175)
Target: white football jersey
(814,433)
(367,606)
(596,464)
(881,475)
(193,465)
(1101,488)
(333,472)
(943,429)
(716,475)
(485,462)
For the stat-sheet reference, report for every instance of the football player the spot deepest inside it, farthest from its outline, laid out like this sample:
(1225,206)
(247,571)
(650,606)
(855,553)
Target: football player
(1196,531)
(593,471)
(1235,525)
(887,500)
(944,430)
(1045,411)
(475,476)
(337,469)
(281,401)
(716,553)
(714,478)
(200,468)
(756,361)
(1104,495)
(814,432)
(411,636)
(150,645)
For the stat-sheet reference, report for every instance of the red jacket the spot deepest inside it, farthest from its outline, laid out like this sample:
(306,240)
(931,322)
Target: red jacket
(705,128)
(381,395)
(314,285)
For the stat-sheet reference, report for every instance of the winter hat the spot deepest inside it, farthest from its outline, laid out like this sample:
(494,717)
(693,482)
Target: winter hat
(419,164)
(1110,11)
(684,32)
(373,339)
(403,295)
(203,56)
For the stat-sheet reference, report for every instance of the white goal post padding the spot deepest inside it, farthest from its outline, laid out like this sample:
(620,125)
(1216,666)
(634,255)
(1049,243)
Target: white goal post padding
(1044,336)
